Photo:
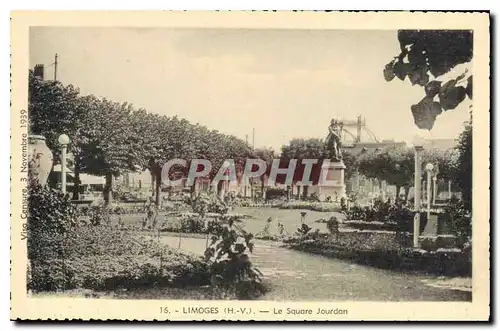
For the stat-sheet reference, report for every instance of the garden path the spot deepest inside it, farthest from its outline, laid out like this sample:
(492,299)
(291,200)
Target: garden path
(299,276)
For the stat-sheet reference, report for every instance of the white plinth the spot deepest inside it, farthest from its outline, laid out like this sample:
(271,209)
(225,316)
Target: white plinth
(334,186)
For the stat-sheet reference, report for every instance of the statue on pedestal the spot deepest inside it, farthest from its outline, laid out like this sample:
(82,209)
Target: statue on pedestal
(332,143)
(332,184)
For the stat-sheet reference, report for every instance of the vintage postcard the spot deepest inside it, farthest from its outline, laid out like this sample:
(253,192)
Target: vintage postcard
(250,166)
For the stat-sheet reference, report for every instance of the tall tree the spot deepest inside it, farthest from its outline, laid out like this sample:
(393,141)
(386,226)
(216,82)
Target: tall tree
(55,109)
(171,138)
(350,162)
(444,162)
(267,155)
(425,57)
(112,147)
(393,164)
(463,174)
(301,149)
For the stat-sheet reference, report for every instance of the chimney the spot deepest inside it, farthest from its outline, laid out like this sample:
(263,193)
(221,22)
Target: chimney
(38,71)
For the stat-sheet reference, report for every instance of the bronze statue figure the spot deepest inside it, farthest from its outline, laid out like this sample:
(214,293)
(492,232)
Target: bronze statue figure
(333,140)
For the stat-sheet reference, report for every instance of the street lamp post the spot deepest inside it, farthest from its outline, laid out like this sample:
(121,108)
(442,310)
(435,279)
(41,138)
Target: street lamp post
(225,182)
(428,168)
(63,141)
(434,192)
(418,144)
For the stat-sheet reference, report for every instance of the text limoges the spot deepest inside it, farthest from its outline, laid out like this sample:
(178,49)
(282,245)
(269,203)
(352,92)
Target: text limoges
(200,310)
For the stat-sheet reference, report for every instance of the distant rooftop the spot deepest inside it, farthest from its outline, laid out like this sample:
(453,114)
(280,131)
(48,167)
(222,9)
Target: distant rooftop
(440,143)
(372,145)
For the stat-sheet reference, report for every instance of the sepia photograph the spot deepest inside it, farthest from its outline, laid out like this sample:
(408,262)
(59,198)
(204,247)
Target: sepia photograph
(318,165)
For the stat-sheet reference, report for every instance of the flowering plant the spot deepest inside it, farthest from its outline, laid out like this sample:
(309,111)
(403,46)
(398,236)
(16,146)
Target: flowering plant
(230,265)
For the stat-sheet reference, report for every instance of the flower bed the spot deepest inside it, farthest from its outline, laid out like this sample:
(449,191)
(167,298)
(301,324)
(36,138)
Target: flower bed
(130,208)
(108,272)
(383,216)
(187,224)
(383,250)
(311,205)
(101,258)
(358,240)
(66,253)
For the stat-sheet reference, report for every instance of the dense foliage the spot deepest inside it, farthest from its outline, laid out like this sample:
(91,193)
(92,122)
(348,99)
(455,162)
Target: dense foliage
(274,193)
(311,205)
(463,174)
(51,215)
(426,56)
(459,217)
(187,224)
(109,138)
(230,266)
(101,258)
(204,204)
(394,165)
(393,216)
(66,254)
(383,250)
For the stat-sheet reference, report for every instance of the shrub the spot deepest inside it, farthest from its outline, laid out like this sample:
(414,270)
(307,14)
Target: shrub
(402,216)
(385,216)
(383,250)
(186,224)
(355,213)
(378,212)
(200,204)
(308,205)
(314,197)
(304,229)
(230,266)
(459,220)
(242,202)
(273,193)
(264,234)
(204,204)
(99,214)
(50,216)
(218,206)
(343,204)
(352,197)
(333,225)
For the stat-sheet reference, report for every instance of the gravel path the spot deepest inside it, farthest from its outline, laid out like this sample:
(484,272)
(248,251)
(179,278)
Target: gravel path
(299,276)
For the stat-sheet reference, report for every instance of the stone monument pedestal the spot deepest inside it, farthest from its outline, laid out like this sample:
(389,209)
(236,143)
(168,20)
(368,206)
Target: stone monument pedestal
(333,183)
(436,235)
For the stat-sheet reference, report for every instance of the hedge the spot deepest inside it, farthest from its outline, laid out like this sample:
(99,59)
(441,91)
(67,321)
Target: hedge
(387,256)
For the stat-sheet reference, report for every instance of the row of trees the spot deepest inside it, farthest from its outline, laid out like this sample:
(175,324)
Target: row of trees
(110,138)
(396,166)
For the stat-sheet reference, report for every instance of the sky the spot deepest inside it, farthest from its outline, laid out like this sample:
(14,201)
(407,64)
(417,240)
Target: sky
(283,83)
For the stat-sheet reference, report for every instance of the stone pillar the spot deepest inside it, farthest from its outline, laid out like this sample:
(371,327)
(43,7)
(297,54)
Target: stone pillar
(334,185)
(435,190)
(417,192)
